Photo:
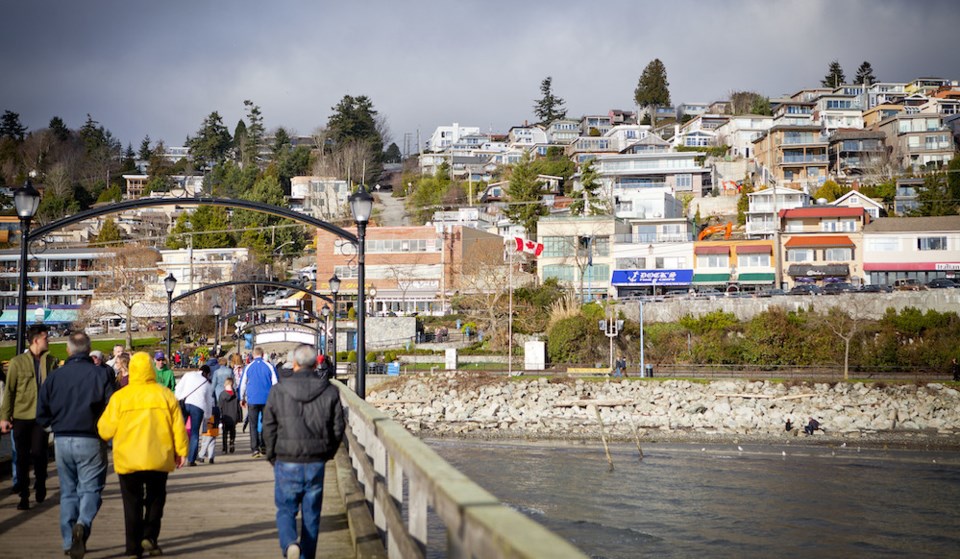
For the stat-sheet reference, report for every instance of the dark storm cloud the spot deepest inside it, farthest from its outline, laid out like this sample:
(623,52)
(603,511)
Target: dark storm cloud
(159,68)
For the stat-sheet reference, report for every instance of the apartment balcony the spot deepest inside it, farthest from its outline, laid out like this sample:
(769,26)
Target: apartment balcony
(806,141)
(761,228)
(651,238)
(803,160)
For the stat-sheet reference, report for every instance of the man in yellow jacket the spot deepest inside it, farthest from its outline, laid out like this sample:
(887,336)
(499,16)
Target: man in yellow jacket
(149,442)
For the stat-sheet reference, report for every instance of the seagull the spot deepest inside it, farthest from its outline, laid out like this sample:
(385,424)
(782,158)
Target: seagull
(784,452)
(704,449)
(740,448)
(844,445)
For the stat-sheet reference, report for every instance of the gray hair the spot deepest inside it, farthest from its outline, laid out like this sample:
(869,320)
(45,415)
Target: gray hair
(305,355)
(78,342)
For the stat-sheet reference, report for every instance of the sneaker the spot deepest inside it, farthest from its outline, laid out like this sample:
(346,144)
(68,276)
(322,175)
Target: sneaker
(232,449)
(151,548)
(77,542)
(41,494)
(293,551)
(211,461)
(256,454)
(24,503)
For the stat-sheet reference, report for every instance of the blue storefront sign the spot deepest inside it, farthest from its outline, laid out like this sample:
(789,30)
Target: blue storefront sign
(652,277)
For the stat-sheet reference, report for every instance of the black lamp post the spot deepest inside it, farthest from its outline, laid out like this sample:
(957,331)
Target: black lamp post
(169,283)
(26,200)
(217,309)
(361,204)
(334,283)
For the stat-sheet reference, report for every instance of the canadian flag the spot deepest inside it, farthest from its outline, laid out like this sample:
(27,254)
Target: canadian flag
(529,247)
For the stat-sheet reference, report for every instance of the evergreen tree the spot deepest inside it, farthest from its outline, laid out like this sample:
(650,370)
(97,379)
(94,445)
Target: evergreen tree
(239,139)
(392,154)
(588,202)
(145,152)
(110,234)
(653,88)
(834,77)
(934,198)
(253,137)
(524,207)
(212,142)
(281,143)
(549,107)
(352,124)
(10,126)
(865,74)
(59,129)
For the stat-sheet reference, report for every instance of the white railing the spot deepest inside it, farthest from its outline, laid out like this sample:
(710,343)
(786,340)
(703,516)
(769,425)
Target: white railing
(384,455)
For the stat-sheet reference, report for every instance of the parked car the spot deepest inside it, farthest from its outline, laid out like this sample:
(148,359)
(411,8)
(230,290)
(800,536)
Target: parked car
(123,326)
(942,283)
(308,273)
(771,292)
(805,289)
(8,333)
(875,288)
(908,284)
(269,298)
(838,287)
(93,329)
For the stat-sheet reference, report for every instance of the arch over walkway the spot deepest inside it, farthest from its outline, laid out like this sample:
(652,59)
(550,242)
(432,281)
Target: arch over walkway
(271,283)
(118,207)
(273,308)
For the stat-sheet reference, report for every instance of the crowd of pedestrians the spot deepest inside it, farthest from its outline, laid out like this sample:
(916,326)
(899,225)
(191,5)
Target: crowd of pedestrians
(157,423)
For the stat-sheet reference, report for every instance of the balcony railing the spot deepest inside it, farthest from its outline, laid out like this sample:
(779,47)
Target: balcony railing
(803,159)
(650,238)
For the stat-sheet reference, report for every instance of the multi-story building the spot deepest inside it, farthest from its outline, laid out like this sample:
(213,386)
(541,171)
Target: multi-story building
(852,152)
(793,155)
(595,125)
(919,248)
(674,172)
(740,131)
(321,197)
(577,252)
(918,141)
(184,185)
(854,199)
(653,258)
(877,113)
(762,221)
(733,265)
(445,136)
(834,111)
(194,268)
(905,199)
(413,269)
(563,131)
(823,244)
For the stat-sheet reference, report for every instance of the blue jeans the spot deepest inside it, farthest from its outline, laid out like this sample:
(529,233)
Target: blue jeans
(82,468)
(299,486)
(196,426)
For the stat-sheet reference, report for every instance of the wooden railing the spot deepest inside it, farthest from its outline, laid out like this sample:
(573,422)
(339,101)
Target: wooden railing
(384,455)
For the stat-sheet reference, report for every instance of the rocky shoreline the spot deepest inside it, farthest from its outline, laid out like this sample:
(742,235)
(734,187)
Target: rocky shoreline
(464,405)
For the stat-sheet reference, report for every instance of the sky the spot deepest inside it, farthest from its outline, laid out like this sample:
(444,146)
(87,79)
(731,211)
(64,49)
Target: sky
(159,68)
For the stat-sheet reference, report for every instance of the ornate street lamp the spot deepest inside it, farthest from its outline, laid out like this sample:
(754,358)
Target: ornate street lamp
(334,283)
(26,200)
(169,283)
(325,313)
(217,309)
(361,204)
(373,301)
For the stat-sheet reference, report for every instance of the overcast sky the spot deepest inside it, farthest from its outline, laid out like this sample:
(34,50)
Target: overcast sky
(160,67)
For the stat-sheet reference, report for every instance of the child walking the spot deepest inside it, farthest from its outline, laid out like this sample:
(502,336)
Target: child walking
(208,439)
(230,413)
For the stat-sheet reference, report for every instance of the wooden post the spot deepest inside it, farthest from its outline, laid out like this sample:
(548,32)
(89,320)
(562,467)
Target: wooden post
(636,436)
(603,437)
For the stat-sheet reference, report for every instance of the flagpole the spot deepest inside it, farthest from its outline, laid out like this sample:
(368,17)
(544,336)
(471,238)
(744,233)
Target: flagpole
(510,319)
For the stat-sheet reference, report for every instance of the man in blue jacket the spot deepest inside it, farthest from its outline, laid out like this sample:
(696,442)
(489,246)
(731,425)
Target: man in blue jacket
(71,402)
(255,384)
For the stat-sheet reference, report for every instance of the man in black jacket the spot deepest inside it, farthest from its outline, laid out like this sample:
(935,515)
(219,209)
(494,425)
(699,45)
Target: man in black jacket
(302,429)
(70,404)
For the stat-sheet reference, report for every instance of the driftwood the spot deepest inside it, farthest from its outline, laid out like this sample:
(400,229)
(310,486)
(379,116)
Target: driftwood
(603,437)
(766,396)
(395,402)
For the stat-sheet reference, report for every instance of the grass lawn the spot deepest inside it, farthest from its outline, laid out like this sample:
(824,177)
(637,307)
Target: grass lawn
(59,349)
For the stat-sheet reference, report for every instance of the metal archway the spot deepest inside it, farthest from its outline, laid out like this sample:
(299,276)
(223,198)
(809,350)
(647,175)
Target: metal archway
(259,309)
(118,207)
(254,326)
(280,284)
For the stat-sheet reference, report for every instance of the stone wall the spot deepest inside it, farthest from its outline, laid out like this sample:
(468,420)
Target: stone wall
(866,305)
(459,404)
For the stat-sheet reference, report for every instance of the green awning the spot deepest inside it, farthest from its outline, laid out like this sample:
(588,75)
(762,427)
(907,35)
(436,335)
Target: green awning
(756,278)
(711,278)
(59,316)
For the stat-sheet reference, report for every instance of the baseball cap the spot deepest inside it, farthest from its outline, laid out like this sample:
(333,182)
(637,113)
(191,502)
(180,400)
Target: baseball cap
(158,356)
(212,362)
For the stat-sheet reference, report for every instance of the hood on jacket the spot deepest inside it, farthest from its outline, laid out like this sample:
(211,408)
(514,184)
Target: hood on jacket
(141,369)
(302,385)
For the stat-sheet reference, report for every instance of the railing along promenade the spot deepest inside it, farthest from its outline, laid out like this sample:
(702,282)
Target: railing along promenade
(399,473)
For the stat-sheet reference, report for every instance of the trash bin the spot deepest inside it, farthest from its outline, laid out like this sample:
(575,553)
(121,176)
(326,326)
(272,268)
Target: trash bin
(648,373)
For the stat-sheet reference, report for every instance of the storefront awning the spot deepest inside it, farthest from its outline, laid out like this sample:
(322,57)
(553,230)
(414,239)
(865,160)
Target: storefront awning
(755,249)
(756,278)
(711,278)
(50,316)
(819,241)
(711,249)
(826,270)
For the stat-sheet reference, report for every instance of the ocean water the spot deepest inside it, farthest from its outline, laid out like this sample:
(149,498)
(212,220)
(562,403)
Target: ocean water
(685,500)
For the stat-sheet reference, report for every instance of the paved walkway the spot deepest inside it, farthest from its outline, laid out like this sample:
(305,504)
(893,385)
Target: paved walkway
(218,510)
